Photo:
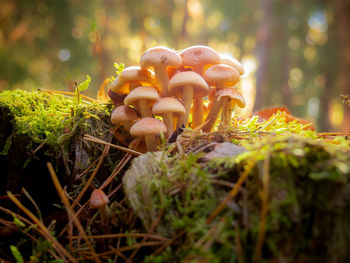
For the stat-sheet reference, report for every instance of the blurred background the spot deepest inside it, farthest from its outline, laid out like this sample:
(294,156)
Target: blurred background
(296,53)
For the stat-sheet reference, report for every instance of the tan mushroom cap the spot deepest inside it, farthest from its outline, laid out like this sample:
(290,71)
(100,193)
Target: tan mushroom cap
(160,56)
(191,78)
(200,55)
(168,104)
(98,199)
(233,94)
(121,84)
(141,93)
(123,113)
(222,75)
(231,61)
(148,126)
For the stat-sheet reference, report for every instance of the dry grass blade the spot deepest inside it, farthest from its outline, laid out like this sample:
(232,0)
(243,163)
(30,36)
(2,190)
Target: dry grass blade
(87,184)
(264,210)
(97,140)
(232,193)
(116,171)
(70,211)
(66,256)
(34,204)
(120,235)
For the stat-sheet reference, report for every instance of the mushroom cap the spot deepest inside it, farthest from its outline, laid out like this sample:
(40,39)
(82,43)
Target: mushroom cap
(148,126)
(233,94)
(141,93)
(123,113)
(160,56)
(199,56)
(222,75)
(131,74)
(231,61)
(168,104)
(98,199)
(200,86)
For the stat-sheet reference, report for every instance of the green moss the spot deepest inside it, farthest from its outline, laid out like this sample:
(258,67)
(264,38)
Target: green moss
(307,192)
(48,118)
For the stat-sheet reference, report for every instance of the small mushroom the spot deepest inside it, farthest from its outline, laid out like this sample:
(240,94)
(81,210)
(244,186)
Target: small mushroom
(124,115)
(188,85)
(198,58)
(229,98)
(220,76)
(131,78)
(142,97)
(149,128)
(99,200)
(167,108)
(160,58)
(138,145)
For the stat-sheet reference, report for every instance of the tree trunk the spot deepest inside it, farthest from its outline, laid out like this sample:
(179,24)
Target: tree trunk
(263,51)
(343,25)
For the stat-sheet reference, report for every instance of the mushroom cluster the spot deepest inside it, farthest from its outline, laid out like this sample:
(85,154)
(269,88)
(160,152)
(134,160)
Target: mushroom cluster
(172,84)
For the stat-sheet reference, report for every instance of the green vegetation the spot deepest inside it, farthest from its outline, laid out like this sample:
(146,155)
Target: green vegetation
(305,182)
(50,118)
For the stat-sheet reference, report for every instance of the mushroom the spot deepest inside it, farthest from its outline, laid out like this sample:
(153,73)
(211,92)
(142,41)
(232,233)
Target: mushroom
(188,85)
(149,128)
(124,115)
(231,61)
(167,108)
(131,78)
(198,58)
(160,58)
(142,97)
(221,76)
(99,200)
(229,98)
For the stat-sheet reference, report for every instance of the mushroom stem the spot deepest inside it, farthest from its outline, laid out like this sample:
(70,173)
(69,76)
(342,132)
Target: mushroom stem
(168,119)
(105,213)
(197,117)
(162,76)
(151,142)
(212,115)
(144,109)
(227,105)
(187,96)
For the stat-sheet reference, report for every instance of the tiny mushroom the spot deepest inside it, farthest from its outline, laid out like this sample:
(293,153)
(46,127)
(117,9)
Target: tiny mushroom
(149,128)
(142,97)
(221,76)
(229,98)
(167,108)
(99,200)
(160,58)
(124,115)
(188,85)
(198,58)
